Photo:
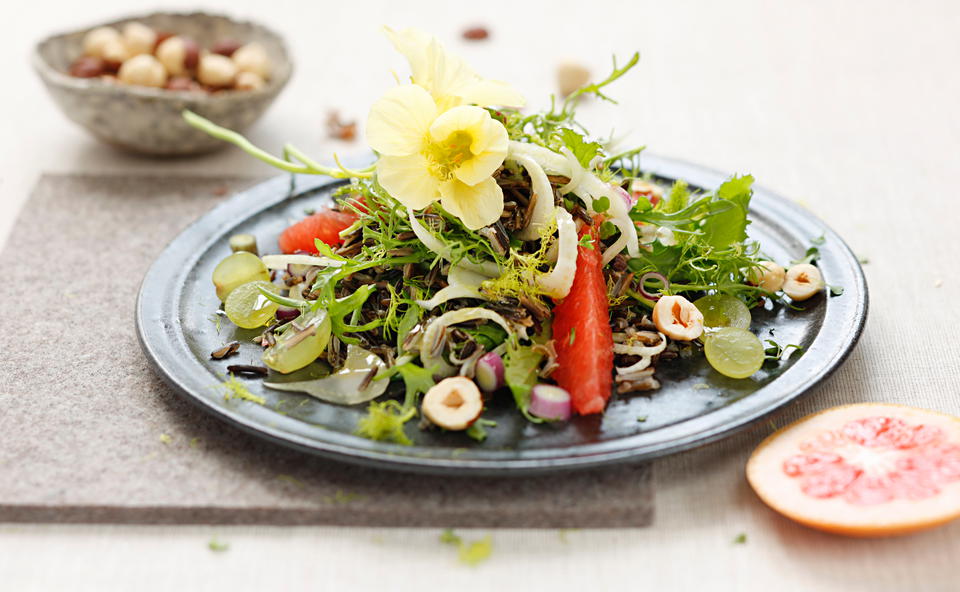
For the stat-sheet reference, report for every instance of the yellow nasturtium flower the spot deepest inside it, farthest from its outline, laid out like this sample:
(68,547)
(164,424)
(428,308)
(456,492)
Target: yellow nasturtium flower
(427,154)
(448,78)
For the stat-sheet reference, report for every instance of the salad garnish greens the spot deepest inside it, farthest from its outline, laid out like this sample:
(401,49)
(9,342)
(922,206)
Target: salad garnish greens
(490,252)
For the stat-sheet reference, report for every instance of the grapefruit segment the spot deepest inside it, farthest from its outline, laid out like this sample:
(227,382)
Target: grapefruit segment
(870,469)
(325,225)
(582,333)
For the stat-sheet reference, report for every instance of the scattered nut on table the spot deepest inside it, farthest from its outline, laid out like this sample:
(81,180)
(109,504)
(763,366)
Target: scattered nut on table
(571,76)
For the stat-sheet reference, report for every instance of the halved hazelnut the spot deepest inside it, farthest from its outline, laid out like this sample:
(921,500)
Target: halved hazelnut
(802,281)
(677,318)
(768,275)
(453,403)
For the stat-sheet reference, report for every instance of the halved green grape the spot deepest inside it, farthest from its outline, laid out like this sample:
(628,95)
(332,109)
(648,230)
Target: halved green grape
(733,352)
(302,342)
(248,308)
(722,310)
(238,269)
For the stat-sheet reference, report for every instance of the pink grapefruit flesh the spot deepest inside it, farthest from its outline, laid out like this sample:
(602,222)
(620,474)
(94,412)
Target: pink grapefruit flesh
(869,469)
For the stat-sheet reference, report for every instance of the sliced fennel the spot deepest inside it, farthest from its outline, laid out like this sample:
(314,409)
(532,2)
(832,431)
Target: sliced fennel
(282,261)
(350,385)
(461,283)
(431,346)
(435,245)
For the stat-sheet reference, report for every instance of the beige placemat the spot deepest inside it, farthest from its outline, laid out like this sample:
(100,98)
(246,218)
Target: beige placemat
(88,433)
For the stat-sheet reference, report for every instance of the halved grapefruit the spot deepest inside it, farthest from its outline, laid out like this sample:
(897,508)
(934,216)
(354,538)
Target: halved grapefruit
(870,469)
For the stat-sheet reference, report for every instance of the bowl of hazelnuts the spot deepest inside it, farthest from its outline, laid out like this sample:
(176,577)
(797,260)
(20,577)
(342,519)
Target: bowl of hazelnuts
(128,81)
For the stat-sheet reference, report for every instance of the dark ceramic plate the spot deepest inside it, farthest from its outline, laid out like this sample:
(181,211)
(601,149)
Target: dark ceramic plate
(695,406)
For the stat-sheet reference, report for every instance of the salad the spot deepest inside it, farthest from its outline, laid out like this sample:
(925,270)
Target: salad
(488,253)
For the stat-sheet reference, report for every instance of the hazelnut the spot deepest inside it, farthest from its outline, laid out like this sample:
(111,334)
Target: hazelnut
(161,37)
(216,70)
(570,77)
(139,38)
(172,53)
(249,81)
(677,318)
(802,281)
(453,403)
(768,276)
(226,47)
(476,33)
(87,67)
(94,40)
(183,83)
(193,53)
(114,52)
(252,57)
(143,70)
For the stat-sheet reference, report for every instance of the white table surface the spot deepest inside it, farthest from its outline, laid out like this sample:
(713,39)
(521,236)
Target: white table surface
(849,107)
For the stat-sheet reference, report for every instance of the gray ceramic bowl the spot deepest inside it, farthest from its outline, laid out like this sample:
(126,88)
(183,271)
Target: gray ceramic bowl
(147,120)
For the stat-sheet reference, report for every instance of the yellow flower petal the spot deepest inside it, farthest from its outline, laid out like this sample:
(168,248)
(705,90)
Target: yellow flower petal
(476,205)
(487,141)
(411,44)
(448,78)
(492,92)
(490,148)
(460,119)
(408,180)
(400,119)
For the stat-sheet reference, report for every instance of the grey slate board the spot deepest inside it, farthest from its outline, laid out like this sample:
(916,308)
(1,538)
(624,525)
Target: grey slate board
(82,414)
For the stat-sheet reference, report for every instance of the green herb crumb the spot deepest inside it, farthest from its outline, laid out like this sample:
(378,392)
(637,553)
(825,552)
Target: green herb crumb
(233,388)
(740,539)
(217,546)
(478,429)
(290,479)
(472,553)
(449,537)
(477,552)
(342,497)
(166,438)
(642,418)
(384,421)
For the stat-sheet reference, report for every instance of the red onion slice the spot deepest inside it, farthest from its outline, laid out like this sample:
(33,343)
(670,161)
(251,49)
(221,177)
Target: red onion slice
(550,402)
(489,372)
(287,313)
(653,275)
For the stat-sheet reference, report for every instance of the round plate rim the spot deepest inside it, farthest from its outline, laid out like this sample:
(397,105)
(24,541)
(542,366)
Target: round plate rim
(159,333)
